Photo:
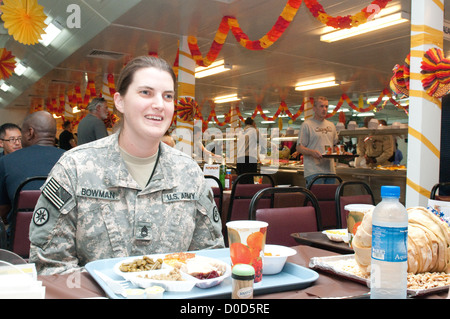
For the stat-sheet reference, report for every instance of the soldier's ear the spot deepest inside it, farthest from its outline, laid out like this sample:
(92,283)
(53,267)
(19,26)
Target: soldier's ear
(118,102)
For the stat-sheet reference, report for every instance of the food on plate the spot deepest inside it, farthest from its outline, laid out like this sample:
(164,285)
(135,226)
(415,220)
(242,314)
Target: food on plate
(428,242)
(142,264)
(203,268)
(173,275)
(177,259)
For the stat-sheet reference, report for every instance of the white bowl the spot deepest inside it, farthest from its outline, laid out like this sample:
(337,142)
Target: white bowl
(274,264)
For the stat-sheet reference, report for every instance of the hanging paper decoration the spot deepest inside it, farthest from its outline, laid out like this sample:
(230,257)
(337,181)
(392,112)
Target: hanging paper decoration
(436,71)
(7,63)
(348,21)
(24,20)
(399,83)
(230,23)
(185,109)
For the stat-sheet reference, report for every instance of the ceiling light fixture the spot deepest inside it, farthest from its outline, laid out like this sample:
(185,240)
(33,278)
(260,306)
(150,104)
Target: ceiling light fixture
(53,29)
(215,68)
(4,87)
(20,69)
(226,98)
(375,24)
(317,84)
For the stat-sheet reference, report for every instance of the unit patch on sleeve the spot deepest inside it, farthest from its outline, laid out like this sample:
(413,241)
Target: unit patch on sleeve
(56,194)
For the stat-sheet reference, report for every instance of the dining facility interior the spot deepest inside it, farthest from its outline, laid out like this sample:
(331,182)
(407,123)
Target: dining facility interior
(96,38)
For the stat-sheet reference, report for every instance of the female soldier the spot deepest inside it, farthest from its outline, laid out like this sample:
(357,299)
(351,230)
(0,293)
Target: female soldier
(126,194)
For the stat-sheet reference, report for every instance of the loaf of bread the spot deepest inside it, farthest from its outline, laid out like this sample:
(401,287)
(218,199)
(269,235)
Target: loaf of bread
(428,242)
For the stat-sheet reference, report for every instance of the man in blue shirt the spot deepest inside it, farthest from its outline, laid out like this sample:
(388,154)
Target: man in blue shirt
(36,158)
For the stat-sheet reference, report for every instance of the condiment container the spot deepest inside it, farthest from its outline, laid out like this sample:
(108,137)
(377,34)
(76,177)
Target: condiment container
(242,281)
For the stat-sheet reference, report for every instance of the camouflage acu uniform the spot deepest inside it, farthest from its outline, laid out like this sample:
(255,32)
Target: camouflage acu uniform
(91,208)
(380,147)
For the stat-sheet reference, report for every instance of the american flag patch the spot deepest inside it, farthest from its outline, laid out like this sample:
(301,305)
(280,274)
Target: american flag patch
(56,194)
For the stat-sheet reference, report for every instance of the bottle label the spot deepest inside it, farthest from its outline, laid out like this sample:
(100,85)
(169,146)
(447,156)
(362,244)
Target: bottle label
(389,243)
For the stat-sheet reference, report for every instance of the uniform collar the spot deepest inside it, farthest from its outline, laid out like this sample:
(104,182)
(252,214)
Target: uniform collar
(118,176)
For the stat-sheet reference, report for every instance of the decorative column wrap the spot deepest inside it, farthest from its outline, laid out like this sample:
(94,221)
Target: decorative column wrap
(108,90)
(186,90)
(424,134)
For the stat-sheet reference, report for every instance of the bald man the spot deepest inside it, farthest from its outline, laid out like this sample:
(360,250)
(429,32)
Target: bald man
(36,158)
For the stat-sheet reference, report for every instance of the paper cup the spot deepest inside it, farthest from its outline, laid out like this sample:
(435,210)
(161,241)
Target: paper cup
(354,218)
(246,239)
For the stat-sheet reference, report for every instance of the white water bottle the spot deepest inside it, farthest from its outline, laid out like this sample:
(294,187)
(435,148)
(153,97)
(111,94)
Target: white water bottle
(389,266)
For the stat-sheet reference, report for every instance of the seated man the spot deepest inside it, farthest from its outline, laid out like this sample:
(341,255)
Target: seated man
(36,158)
(10,138)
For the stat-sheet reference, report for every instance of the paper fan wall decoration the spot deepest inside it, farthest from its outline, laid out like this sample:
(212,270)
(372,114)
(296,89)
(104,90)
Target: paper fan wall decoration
(7,63)
(24,20)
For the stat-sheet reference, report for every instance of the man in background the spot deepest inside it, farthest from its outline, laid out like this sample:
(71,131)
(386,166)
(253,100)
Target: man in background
(10,138)
(36,158)
(66,138)
(316,133)
(92,127)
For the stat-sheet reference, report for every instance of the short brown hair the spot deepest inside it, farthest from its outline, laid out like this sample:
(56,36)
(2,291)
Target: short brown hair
(126,75)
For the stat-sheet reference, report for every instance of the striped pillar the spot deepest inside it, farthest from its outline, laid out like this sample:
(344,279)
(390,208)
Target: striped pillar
(308,109)
(106,92)
(424,135)
(186,89)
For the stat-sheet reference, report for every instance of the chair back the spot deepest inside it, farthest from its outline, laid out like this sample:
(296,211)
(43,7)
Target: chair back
(325,194)
(242,194)
(362,195)
(217,192)
(439,188)
(286,220)
(22,212)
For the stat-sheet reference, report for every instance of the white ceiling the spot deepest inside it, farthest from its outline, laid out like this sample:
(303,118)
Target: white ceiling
(135,27)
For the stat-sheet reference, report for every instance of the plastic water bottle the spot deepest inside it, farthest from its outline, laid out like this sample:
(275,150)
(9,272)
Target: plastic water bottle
(389,264)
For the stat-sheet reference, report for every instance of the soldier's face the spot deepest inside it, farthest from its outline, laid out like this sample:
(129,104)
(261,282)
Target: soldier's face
(148,104)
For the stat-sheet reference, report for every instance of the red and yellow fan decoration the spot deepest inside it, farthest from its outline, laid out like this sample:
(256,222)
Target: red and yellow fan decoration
(436,73)
(24,20)
(399,83)
(7,63)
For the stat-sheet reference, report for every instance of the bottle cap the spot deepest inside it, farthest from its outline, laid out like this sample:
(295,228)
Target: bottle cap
(243,272)
(390,191)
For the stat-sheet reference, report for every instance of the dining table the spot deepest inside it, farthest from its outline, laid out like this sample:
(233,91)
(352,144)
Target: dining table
(328,285)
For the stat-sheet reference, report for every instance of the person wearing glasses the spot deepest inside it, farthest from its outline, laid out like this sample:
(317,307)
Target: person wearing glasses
(92,127)
(36,158)
(128,194)
(10,138)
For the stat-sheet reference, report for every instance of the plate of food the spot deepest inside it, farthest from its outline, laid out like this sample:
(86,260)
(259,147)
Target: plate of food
(337,235)
(174,272)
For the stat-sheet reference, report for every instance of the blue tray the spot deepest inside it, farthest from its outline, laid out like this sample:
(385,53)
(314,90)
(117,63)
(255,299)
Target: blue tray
(290,278)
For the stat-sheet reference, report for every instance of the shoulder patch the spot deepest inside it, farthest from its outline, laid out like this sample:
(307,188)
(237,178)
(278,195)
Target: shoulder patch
(56,194)
(41,216)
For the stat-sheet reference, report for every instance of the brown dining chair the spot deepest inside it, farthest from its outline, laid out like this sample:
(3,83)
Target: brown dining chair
(242,194)
(21,214)
(285,221)
(439,188)
(351,192)
(325,194)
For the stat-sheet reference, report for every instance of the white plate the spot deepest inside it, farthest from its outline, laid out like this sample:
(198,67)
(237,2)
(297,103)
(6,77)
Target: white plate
(337,235)
(138,278)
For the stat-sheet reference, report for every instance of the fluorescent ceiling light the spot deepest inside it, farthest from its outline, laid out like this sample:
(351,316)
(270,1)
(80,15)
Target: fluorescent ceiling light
(372,25)
(214,68)
(226,98)
(76,110)
(4,87)
(267,122)
(51,32)
(365,114)
(20,69)
(316,84)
